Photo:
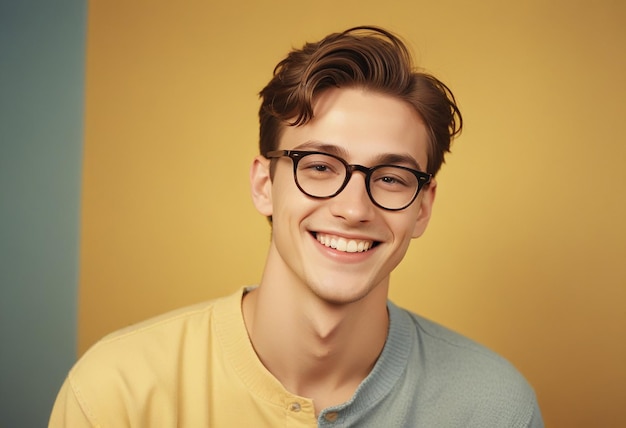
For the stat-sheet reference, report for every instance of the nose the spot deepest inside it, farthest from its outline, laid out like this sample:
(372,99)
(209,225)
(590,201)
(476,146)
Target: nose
(353,204)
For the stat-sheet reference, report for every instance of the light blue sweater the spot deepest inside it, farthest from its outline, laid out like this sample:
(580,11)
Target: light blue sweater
(429,376)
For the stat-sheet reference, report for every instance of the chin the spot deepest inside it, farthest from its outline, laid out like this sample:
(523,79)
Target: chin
(340,296)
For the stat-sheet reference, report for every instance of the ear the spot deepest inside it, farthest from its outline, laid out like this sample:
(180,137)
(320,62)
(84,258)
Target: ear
(426,201)
(261,185)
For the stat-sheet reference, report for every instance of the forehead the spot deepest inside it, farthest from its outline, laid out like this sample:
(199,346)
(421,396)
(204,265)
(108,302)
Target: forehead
(363,125)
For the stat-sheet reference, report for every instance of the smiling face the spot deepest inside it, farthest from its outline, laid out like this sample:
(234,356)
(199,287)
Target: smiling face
(341,249)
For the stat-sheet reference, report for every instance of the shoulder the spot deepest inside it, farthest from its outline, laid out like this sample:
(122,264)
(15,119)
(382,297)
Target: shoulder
(449,351)
(146,363)
(146,348)
(465,374)
(439,339)
(172,319)
(155,331)
(167,333)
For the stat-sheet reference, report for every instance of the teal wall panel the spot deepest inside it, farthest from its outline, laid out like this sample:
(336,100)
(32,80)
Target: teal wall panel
(42,57)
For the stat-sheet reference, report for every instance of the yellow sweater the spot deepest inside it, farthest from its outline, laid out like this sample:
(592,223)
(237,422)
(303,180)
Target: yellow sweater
(194,367)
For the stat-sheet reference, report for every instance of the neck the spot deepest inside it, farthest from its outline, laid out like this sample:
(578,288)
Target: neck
(316,349)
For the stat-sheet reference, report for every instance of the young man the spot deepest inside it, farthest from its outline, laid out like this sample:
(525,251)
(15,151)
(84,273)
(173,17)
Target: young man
(351,137)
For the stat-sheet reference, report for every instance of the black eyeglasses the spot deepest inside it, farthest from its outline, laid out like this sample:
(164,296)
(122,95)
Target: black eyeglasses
(322,175)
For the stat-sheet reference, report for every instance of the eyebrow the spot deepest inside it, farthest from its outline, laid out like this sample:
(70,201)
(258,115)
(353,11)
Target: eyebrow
(381,159)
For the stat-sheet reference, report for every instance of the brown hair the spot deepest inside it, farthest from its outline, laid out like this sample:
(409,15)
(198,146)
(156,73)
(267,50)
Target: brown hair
(367,57)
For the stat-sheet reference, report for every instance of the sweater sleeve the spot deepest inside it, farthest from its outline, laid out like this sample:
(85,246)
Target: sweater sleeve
(536,420)
(67,410)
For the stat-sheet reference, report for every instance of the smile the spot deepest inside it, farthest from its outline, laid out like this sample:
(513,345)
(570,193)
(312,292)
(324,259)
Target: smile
(342,244)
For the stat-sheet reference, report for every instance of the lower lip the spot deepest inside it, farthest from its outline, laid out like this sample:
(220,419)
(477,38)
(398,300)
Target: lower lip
(343,255)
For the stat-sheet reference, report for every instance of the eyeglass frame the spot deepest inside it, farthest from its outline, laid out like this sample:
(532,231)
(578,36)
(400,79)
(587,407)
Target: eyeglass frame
(423,178)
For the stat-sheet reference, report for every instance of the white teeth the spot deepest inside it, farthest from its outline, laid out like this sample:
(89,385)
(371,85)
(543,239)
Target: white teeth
(345,245)
(342,244)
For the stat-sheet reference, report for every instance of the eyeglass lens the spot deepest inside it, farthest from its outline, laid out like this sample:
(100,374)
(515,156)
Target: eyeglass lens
(322,176)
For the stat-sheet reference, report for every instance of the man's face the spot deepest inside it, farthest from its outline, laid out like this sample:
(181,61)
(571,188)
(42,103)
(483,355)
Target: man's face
(362,127)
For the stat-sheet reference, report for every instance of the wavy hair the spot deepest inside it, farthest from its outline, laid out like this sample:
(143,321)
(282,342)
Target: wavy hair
(366,57)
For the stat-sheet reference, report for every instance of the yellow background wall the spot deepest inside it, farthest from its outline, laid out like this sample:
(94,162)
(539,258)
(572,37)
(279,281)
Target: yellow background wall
(526,252)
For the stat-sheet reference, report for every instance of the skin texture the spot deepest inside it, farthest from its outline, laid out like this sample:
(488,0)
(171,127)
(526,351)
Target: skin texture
(318,320)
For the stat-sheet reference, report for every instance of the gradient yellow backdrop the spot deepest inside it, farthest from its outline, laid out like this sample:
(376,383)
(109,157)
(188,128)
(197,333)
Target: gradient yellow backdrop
(526,251)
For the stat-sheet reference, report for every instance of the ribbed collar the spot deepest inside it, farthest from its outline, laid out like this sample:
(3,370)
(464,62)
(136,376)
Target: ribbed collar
(233,337)
(389,367)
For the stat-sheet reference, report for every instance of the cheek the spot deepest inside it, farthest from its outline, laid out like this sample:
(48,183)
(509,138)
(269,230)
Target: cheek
(289,203)
(283,184)
(403,228)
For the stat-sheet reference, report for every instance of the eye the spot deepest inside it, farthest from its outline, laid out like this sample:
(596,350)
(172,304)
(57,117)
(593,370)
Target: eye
(318,166)
(315,166)
(393,179)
